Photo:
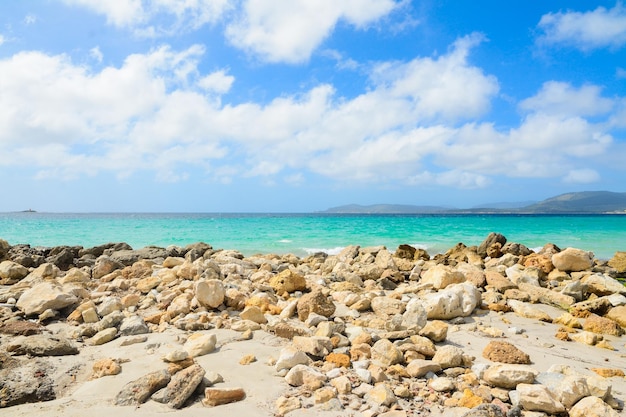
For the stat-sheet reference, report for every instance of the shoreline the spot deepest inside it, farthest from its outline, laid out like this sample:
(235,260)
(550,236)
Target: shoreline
(364,332)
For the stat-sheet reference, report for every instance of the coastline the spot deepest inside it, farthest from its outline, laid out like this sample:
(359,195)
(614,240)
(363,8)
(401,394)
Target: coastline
(365,332)
(305,234)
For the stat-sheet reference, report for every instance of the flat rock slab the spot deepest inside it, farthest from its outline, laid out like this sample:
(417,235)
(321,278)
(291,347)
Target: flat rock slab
(41,345)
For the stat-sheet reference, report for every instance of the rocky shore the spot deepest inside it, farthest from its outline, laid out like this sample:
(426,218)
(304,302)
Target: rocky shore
(495,330)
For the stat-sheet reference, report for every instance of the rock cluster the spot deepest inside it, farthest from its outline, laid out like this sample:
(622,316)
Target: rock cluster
(366,330)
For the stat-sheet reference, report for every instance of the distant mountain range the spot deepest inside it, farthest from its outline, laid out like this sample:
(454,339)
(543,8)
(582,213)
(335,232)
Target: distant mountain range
(586,202)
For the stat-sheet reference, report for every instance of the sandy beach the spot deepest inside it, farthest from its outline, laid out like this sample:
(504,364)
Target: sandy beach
(367,330)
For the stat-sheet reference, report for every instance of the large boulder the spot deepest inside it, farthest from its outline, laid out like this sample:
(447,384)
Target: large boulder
(44,296)
(458,300)
(572,260)
(315,302)
(210,293)
(441,276)
(491,240)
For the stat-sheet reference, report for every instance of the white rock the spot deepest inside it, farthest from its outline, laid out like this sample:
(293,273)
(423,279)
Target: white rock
(290,357)
(508,375)
(210,293)
(537,397)
(458,300)
(414,317)
(44,296)
(592,407)
(199,344)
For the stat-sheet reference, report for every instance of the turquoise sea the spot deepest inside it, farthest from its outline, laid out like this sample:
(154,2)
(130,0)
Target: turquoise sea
(303,234)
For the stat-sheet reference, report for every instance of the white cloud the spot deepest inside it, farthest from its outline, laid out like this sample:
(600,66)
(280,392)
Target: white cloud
(564,99)
(218,82)
(121,13)
(582,176)
(445,87)
(599,28)
(2,39)
(291,31)
(96,54)
(153,113)
(150,18)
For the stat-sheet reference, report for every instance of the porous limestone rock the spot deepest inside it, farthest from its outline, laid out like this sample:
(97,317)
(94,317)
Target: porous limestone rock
(457,300)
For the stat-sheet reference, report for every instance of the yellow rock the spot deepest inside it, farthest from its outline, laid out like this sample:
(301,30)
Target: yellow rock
(470,400)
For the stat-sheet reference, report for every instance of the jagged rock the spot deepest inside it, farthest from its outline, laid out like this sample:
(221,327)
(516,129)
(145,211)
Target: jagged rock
(505,352)
(199,344)
(315,302)
(287,281)
(489,241)
(181,386)
(305,375)
(457,300)
(41,345)
(536,397)
(572,260)
(314,346)
(104,266)
(133,325)
(44,296)
(139,391)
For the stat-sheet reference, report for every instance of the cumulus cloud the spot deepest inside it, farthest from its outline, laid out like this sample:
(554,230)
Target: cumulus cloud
(595,29)
(158,112)
(564,99)
(157,17)
(291,31)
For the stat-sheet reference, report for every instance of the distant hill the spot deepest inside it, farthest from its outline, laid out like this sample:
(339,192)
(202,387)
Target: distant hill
(385,209)
(505,205)
(586,202)
(581,202)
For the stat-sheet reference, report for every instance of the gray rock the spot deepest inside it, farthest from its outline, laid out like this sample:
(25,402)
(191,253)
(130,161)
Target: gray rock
(139,391)
(485,410)
(41,345)
(133,325)
(17,385)
(182,385)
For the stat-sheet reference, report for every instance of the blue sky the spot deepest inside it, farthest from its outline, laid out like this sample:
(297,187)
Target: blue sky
(301,105)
